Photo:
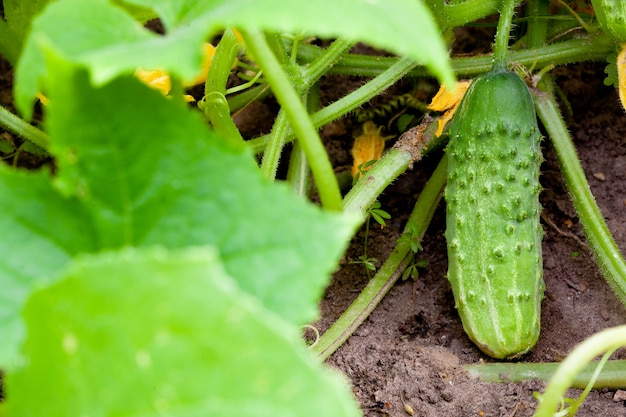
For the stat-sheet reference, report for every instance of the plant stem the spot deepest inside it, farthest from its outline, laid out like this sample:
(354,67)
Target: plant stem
(390,271)
(216,107)
(537,25)
(242,99)
(279,51)
(453,15)
(317,67)
(575,405)
(217,110)
(606,340)
(586,48)
(393,163)
(306,78)
(222,62)
(275,145)
(292,104)
(25,130)
(348,103)
(320,66)
(607,253)
(298,173)
(613,375)
(503,34)
(389,70)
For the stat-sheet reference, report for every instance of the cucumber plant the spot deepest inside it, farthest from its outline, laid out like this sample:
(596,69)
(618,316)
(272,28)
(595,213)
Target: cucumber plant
(88,80)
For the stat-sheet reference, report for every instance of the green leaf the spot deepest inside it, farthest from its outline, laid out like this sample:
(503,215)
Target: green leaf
(109,42)
(41,231)
(402,26)
(152,173)
(33,149)
(612,77)
(91,32)
(6,146)
(151,333)
(19,15)
(139,169)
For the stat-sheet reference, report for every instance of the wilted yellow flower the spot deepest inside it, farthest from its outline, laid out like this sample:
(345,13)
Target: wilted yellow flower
(44,100)
(208,51)
(160,80)
(448,101)
(621,75)
(157,79)
(367,147)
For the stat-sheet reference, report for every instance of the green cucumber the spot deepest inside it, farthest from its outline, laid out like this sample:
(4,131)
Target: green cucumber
(612,17)
(493,230)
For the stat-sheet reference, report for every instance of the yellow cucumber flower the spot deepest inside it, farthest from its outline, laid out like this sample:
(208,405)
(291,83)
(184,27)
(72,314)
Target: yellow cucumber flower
(160,80)
(448,101)
(367,147)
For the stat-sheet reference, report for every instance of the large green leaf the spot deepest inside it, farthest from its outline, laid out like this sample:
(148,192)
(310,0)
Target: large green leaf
(151,333)
(109,42)
(152,173)
(41,230)
(402,26)
(139,169)
(19,14)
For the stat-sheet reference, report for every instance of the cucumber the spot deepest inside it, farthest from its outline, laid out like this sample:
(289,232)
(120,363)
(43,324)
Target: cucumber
(612,17)
(493,231)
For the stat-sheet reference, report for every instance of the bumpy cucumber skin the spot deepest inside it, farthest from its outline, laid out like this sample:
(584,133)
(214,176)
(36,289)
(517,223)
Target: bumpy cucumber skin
(612,17)
(493,230)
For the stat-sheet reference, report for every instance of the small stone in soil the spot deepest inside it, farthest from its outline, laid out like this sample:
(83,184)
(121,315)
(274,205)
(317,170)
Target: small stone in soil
(620,395)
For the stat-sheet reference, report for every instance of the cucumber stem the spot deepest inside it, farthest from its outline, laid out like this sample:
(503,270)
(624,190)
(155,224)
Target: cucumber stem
(348,103)
(503,33)
(606,252)
(25,130)
(613,376)
(391,270)
(307,77)
(603,341)
(275,145)
(393,163)
(214,105)
(291,103)
(594,47)
(298,173)
(537,24)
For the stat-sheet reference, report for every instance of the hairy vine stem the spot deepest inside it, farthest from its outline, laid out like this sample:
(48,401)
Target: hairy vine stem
(607,254)
(391,270)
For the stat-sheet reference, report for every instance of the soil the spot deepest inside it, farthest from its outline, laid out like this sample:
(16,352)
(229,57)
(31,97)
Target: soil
(411,348)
